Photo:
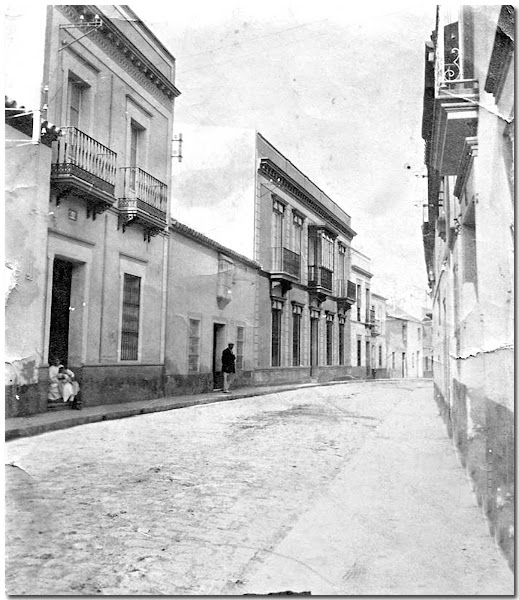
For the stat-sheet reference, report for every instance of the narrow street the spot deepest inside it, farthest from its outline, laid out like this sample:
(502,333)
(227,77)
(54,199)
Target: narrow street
(351,489)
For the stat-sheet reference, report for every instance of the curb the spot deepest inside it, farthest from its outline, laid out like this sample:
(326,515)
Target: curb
(161,406)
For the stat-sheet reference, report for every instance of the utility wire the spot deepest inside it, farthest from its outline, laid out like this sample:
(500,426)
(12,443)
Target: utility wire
(259,37)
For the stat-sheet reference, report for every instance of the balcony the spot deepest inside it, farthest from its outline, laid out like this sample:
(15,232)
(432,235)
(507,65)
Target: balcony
(285,267)
(320,281)
(456,96)
(370,318)
(346,294)
(376,328)
(144,202)
(85,168)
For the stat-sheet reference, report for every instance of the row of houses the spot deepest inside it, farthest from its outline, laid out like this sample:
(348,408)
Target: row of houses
(139,304)
(468,234)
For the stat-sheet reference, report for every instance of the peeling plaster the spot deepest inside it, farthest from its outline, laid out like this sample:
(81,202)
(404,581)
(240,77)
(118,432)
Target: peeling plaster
(11,276)
(475,353)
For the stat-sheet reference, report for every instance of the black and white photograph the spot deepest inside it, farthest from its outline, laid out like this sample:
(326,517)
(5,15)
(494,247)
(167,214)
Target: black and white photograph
(259,299)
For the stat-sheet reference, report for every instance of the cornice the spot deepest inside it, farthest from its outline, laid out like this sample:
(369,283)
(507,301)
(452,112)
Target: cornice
(269,168)
(121,49)
(361,271)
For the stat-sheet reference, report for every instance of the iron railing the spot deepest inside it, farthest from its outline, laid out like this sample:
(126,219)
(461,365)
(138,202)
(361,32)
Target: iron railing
(320,277)
(77,149)
(285,260)
(139,185)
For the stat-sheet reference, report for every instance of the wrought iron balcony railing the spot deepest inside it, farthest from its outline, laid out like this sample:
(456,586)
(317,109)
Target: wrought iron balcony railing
(141,186)
(286,261)
(320,277)
(79,155)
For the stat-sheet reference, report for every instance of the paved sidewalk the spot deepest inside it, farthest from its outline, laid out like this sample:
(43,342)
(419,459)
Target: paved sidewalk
(17,427)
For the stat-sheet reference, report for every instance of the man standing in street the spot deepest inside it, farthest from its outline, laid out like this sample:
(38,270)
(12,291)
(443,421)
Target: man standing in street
(228,367)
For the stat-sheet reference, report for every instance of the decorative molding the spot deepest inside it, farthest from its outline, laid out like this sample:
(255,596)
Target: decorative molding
(271,170)
(118,46)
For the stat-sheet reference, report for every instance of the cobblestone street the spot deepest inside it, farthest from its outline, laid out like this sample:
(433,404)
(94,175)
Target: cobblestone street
(201,500)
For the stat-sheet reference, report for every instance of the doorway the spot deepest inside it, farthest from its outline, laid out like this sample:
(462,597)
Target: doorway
(60,310)
(218,347)
(368,359)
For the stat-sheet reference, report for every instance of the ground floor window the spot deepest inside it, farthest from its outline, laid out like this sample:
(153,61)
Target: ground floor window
(240,343)
(380,356)
(359,352)
(329,339)
(130,317)
(393,360)
(296,335)
(194,346)
(276,333)
(341,342)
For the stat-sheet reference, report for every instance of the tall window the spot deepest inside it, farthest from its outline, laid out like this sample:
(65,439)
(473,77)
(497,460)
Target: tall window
(380,356)
(341,342)
(341,270)
(240,343)
(329,339)
(278,210)
(276,333)
(327,251)
(419,333)
(296,334)
(130,317)
(359,301)
(368,299)
(418,359)
(404,332)
(194,346)
(75,92)
(135,140)
(393,360)
(297,233)
(359,352)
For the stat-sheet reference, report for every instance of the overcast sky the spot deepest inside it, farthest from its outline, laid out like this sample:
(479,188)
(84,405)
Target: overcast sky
(337,87)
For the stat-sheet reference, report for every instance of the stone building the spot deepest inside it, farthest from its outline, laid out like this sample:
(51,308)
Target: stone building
(468,237)
(95,274)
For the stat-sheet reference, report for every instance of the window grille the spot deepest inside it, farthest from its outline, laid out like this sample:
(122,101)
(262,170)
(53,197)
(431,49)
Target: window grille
(194,346)
(130,317)
(276,335)
(341,343)
(240,344)
(329,340)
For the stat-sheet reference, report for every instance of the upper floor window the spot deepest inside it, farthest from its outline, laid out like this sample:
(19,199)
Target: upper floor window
(297,232)
(278,212)
(77,91)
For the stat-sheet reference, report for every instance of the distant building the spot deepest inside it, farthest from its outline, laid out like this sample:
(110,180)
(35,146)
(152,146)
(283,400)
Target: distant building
(362,317)
(468,128)
(404,340)
(379,336)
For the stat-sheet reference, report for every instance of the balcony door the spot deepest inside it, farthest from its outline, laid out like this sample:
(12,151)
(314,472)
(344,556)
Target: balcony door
(135,143)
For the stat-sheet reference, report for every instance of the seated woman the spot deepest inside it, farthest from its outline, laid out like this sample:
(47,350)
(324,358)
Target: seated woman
(54,392)
(67,385)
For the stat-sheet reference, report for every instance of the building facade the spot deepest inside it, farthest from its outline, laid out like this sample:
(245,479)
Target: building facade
(378,335)
(303,242)
(102,208)
(404,345)
(469,244)
(212,294)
